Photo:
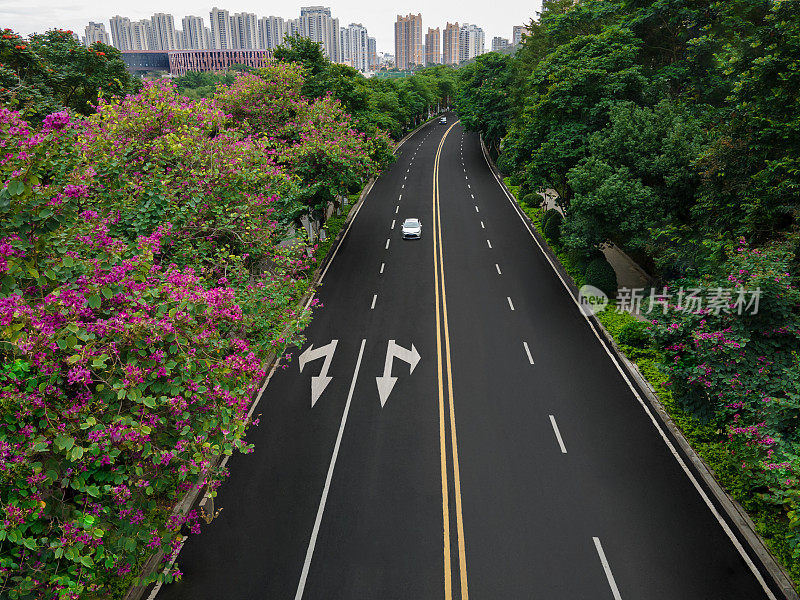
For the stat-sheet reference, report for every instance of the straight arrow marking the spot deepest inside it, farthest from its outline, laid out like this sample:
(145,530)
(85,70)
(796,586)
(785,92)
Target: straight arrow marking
(321,381)
(386,381)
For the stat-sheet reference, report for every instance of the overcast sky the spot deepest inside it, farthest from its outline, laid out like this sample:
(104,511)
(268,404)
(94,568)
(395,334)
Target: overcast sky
(496,17)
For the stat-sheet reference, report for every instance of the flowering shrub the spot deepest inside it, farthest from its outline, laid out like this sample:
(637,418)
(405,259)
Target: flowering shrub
(742,372)
(143,281)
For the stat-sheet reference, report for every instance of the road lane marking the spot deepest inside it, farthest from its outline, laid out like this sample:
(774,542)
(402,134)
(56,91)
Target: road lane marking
(607,568)
(301,586)
(387,243)
(510,303)
(396,208)
(473,196)
(527,350)
(382,265)
(400,197)
(555,429)
(496,266)
(374,300)
(488,243)
(672,449)
(392,223)
(438,262)
(402,187)
(477,210)
(469,186)
(482,225)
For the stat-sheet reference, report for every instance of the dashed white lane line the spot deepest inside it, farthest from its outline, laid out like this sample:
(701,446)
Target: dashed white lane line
(473,196)
(396,208)
(477,210)
(374,300)
(392,223)
(382,265)
(528,352)
(482,225)
(387,243)
(301,586)
(496,266)
(510,303)
(607,569)
(558,434)
(400,197)
(488,243)
(403,187)
(469,186)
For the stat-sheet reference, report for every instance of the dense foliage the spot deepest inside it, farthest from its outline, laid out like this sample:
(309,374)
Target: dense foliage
(46,72)
(147,269)
(671,129)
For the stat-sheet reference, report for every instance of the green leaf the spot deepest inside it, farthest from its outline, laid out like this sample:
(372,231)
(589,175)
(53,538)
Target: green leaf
(94,301)
(64,442)
(77,453)
(16,187)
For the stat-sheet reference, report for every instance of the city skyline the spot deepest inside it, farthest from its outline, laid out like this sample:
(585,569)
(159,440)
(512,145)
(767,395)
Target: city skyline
(496,20)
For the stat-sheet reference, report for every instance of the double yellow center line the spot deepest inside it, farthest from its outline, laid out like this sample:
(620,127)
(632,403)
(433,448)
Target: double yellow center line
(441,325)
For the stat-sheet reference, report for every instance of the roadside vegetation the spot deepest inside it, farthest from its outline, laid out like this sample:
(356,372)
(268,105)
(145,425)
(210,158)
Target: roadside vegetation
(150,267)
(671,130)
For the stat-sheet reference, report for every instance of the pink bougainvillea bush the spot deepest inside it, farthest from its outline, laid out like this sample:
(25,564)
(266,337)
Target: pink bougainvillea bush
(144,279)
(737,367)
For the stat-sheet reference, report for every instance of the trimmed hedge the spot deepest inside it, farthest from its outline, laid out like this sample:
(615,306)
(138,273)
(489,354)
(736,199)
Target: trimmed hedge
(601,275)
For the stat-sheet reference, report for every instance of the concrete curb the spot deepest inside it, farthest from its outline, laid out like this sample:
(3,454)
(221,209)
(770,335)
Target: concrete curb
(191,498)
(736,515)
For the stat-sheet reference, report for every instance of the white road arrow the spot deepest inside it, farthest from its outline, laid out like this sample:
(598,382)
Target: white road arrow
(386,381)
(321,381)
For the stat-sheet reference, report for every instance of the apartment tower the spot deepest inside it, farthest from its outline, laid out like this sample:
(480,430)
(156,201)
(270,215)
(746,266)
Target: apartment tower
(408,42)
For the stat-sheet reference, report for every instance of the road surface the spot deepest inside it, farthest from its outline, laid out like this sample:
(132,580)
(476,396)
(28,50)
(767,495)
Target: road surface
(512,462)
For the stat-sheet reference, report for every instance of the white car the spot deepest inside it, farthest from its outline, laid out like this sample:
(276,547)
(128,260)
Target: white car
(443,120)
(412,229)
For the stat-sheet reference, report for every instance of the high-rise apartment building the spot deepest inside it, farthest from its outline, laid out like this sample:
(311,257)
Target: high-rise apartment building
(471,42)
(96,32)
(194,33)
(292,27)
(271,32)
(355,46)
(517,33)
(141,35)
(408,41)
(372,54)
(164,37)
(317,24)
(244,30)
(121,33)
(433,51)
(499,43)
(221,35)
(451,37)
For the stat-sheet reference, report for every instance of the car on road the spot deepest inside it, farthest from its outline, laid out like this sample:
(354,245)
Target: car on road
(412,229)
(443,120)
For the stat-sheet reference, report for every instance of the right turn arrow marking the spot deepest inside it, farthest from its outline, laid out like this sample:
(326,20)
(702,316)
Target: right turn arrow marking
(386,381)
(321,381)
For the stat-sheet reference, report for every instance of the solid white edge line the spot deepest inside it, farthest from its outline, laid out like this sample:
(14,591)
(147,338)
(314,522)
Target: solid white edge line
(725,527)
(387,243)
(374,300)
(528,352)
(607,568)
(510,303)
(555,428)
(382,265)
(496,266)
(315,531)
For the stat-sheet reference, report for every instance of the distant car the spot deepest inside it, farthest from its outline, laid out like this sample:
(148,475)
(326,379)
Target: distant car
(412,229)
(443,120)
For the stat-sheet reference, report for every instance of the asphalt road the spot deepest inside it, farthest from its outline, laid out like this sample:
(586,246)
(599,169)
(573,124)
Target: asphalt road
(513,462)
